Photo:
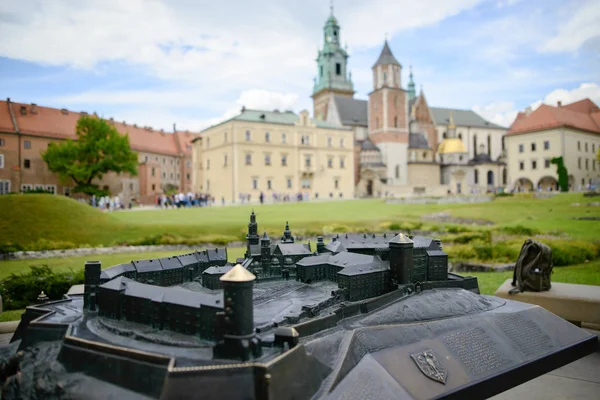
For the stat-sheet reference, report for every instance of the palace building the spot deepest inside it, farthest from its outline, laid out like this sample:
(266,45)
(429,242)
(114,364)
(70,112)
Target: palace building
(570,131)
(403,146)
(164,159)
(276,153)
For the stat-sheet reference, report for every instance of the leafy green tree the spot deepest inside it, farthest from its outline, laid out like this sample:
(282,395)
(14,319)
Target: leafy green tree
(563,175)
(99,149)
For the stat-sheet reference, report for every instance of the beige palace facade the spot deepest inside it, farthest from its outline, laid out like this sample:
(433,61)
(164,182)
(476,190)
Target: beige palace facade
(273,152)
(571,131)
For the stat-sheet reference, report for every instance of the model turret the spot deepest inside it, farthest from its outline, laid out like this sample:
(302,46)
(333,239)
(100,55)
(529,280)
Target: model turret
(238,339)
(401,258)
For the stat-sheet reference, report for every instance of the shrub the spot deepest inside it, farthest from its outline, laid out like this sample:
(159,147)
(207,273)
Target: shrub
(465,237)
(405,226)
(569,252)
(519,230)
(460,252)
(21,290)
(457,229)
(483,250)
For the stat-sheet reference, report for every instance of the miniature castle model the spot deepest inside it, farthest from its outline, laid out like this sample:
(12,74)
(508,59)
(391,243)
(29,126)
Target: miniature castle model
(363,265)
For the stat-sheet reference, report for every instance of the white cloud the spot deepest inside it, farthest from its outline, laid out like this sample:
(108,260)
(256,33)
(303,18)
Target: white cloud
(504,113)
(583,25)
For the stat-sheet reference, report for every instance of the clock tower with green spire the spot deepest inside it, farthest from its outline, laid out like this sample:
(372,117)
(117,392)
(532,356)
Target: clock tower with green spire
(333,77)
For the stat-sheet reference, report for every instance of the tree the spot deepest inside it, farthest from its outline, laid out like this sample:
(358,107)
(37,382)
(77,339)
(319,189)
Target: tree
(99,149)
(563,176)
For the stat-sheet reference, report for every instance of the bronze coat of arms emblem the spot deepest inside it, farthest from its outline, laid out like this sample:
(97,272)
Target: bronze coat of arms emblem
(430,366)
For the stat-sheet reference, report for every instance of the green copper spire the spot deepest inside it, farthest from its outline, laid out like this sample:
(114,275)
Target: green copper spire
(411,86)
(332,60)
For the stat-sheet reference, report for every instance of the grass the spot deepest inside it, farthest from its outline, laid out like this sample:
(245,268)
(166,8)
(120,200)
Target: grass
(11,315)
(38,222)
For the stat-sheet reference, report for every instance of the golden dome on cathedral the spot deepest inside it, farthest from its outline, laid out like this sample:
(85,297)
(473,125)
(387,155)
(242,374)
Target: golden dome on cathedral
(451,145)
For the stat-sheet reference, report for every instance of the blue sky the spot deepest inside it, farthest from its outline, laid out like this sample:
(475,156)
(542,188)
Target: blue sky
(195,62)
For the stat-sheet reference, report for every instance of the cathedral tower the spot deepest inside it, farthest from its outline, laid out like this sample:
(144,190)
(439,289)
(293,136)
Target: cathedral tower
(388,116)
(265,254)
(333,77)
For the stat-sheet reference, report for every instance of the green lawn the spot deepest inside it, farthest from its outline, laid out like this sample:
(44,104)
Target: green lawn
(44,221)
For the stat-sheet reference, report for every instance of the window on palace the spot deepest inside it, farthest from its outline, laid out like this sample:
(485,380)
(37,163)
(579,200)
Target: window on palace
(579,146)
(395,122)
(153,172)
(254,183)
(1,160)
(27,144)
(224,160)
(586,164)
(1,142)
(283,138)
(26,188)
(521,148)
(336,183)
(521,165)
(153,187)
(225,137)
(579,163)
(289,183)
(164,175)
(284,160)
(397,171)
(533,146)
(207,166)
(546,145)
(248,159)
(547,163)
(306,183)
(51,189)
(4,187)
(269,184)
(267,137)
(341,142)
(329,141)
(342,162)
(534,164)
(338,68)
(307,161)
(26,163)
(586,146)
(330,162)
(248,136)
(267,159)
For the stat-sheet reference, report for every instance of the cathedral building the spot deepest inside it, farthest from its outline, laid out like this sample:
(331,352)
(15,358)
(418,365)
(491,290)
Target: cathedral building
(402,145)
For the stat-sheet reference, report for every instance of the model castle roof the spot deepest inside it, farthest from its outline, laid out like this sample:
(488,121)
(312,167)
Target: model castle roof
(238,274)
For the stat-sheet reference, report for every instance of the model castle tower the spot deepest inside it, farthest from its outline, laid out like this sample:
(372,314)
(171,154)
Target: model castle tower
(265,254)
(252,238)
(92,280)
(401,259)
(237,339)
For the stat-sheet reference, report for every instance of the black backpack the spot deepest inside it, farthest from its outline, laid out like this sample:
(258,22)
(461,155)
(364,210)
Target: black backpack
(533,268)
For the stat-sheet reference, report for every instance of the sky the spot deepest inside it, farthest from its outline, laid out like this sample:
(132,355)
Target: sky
(197,62)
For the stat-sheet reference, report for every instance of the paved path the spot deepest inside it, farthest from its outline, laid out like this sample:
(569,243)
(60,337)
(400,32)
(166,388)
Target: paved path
(5,338)
(578,380)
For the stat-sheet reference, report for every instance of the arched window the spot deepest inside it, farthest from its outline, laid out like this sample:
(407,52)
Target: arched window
(490,178)
(489,140)
(476,177)
(474,145)
(395,122)
(397,172)
(460,136)
(444,135)
(504,176)
(385,78)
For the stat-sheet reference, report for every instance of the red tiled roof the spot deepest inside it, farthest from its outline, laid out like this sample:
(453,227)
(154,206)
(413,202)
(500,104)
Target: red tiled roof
(184,141)
(6,124)
(585,106)
(60,124)
(582,115)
